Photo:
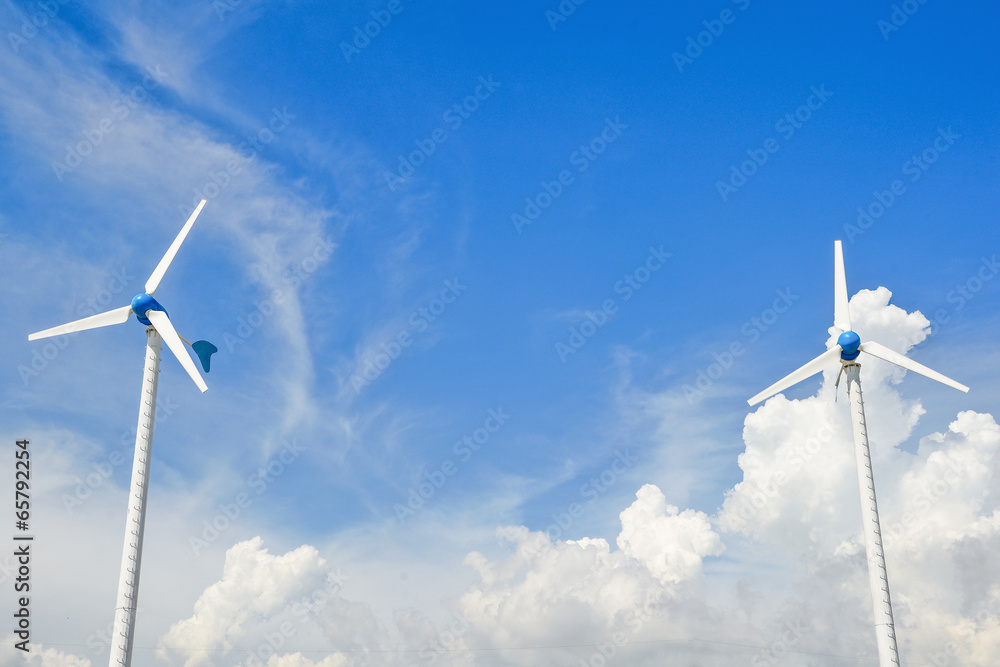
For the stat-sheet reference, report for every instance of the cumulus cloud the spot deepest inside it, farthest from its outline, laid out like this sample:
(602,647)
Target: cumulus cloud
(798,453)
(794,580)
(553,593)
(670,544)
(274,610)
(255,585)
(777,576)
(939,506)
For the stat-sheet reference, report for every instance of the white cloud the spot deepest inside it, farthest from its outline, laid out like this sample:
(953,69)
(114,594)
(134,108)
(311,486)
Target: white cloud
(555,593)
(254,585)
(671,544)
(777,576)
(784,547)
(939,507)
(795,566)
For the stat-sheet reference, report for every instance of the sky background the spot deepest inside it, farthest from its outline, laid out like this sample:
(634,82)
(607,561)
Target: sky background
(578,237)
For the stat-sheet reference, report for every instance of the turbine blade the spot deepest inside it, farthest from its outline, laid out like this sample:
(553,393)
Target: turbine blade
(815,366)
(893,357)
(169,335)
(841,309)
(116,316)
(161,268)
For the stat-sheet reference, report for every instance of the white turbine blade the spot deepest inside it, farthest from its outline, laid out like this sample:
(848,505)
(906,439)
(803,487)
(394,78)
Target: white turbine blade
(841,309)
(116,316)
(893,357)
(161,268)
(169,335)
(815,366)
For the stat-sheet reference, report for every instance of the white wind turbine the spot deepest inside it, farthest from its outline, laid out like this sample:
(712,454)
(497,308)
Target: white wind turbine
(847,349)
(158,327)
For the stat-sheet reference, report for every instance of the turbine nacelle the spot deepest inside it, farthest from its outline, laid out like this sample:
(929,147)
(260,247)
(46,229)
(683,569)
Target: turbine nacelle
(850,344)
(143,303)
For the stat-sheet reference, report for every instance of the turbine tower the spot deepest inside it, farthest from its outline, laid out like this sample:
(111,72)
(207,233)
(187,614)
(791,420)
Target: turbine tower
(847,350)
(158,328)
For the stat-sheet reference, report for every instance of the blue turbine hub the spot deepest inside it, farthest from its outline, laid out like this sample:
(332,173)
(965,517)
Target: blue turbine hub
(850,343)
(142,303)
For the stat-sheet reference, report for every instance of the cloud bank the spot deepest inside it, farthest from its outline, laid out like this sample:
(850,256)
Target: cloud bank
(776,576)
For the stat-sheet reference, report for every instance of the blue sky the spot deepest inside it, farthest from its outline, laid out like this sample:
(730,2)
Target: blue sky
(602,182)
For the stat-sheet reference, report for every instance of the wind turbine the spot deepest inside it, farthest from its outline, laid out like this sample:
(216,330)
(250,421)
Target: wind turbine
(158,327)
(847,350)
